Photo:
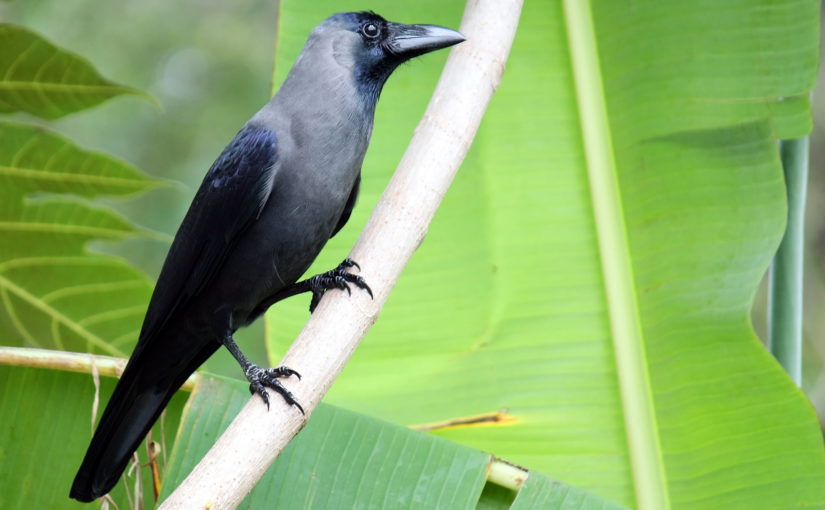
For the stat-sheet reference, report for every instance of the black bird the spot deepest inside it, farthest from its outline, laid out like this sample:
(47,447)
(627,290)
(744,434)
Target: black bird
(282,187)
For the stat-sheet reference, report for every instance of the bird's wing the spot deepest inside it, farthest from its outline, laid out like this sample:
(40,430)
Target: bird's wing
(345,214)
(229,200)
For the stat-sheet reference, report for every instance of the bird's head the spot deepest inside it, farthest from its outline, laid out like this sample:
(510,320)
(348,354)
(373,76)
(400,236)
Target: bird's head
(373,47)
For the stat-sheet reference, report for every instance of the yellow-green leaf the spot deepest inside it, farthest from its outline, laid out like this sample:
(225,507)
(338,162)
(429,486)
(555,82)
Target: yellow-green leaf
(53,291)
(343,459)
(505,308)
(42,79)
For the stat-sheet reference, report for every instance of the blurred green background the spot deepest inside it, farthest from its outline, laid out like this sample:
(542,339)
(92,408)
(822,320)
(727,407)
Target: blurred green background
(208,64)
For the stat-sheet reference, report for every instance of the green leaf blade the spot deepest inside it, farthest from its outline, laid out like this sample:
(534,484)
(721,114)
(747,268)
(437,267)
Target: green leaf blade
(47,81)
(46,416)
(704,213)
(503,309)
(88,303)
(53,291)
(542,492)
(36,159)
(340,459)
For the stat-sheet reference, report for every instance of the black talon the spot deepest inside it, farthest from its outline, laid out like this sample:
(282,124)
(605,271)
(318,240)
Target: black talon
(338,278)
(278,372)
(313,303)
(260,379)
(347,263)
(260,390)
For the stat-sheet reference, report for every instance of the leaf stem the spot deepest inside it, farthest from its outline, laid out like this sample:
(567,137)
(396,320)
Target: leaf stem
(786,278)
(506,474)
(69,361)
(628,343)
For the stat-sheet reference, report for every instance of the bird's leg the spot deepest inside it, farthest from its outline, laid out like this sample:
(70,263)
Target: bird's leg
(262,378)
(338,278)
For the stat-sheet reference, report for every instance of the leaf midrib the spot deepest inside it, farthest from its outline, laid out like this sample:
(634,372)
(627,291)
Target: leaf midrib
(64,228)
(636,395)
(35,173)
(39,86)
(38,303)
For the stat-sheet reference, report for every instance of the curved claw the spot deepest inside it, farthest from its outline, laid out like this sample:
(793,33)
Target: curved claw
(338,278)
(260,379)
(277,372)
(361,284)
(259,388)
(347,263)
(339,282)
(316,298)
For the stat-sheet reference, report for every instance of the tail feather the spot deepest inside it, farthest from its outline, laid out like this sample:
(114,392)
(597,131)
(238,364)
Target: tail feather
(152,376)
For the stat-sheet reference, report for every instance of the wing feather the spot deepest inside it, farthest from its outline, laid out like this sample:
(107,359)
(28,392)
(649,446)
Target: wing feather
(229,200)
(345,214)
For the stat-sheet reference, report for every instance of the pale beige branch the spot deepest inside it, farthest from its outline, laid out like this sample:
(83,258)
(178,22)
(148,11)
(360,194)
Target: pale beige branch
(397,227)
(108,366)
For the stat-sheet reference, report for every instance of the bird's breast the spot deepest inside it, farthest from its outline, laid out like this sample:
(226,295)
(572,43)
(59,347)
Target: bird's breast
(327,153)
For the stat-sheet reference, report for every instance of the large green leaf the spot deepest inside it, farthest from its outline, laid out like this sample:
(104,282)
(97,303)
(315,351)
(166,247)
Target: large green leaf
(340,460)
(54,292)
(504,307)
(45,418)
(345,460)
(39,78)
(540,491)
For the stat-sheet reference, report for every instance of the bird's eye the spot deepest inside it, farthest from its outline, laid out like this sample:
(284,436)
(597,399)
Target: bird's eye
(370,30)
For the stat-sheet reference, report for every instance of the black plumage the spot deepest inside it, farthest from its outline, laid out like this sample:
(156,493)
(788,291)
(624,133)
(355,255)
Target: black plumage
(283,186)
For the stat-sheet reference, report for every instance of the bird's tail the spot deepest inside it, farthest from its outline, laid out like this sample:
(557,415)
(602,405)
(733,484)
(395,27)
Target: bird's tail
(156,370)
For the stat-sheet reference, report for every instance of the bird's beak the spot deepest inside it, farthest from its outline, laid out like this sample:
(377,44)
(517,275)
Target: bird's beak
(408,41)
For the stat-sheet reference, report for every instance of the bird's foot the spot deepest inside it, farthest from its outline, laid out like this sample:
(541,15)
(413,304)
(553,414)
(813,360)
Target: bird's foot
(338,278)
(262,378)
